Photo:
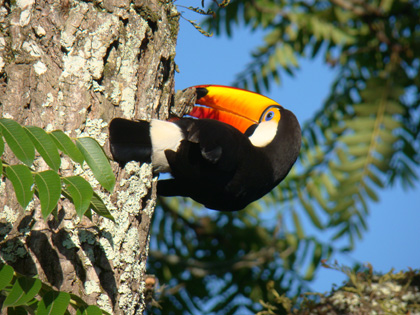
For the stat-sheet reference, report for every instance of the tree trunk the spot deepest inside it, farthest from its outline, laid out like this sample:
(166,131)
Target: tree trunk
(74,65)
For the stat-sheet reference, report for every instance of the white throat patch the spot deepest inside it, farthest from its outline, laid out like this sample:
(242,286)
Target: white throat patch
(264,134)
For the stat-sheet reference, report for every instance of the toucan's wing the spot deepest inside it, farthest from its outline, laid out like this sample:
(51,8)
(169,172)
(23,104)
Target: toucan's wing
(210,147)
(206,163)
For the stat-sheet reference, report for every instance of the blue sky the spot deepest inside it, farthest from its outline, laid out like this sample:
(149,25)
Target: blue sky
(394,224)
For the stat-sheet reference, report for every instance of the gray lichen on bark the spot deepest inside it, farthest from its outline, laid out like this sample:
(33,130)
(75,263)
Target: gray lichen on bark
(73,66)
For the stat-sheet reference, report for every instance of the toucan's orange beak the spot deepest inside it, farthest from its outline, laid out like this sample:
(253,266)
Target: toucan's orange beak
(236,107)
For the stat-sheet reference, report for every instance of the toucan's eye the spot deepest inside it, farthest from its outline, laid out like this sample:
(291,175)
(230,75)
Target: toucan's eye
(272,113)
(269,116)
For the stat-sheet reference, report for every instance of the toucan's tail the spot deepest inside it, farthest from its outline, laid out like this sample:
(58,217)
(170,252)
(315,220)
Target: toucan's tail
(130,141)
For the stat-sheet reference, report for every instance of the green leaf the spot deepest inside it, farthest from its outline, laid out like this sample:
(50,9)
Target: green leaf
(18,141)
(361,123)
(1,144)
(6,275)
(343,205)
(315,192)
(316,48)
(328,184)
(353,179)
(356,138)
(88,214)
(393,107)
(346,191)
(18,310)
(365,109)
(341,232)
(374,178)
(390,122)
(359,150)
(66,145)
(299,230)
(23,291)
(97,205)
(356,229)
(370,192)
(97,161)
(385,149)
(317,255)
(363,203)
(342,156)
(77,303)
(351,166)
(386,5)
(45,146)
(22,180)
(49,191)
(381,164)
(387,136)
(91,310)
(311,212)
(80,192)
(53,303)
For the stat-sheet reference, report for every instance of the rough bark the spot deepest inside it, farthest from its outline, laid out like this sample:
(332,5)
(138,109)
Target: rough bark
(73,65)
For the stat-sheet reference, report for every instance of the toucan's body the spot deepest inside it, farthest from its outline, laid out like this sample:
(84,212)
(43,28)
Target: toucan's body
(211,161)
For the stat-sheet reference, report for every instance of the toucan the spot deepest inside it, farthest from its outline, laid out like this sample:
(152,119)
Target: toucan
(235,147)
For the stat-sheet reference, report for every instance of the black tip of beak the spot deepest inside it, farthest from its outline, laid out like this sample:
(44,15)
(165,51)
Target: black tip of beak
(201,92)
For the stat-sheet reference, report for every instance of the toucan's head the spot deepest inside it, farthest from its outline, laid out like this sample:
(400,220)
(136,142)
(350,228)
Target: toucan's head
(251,113)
